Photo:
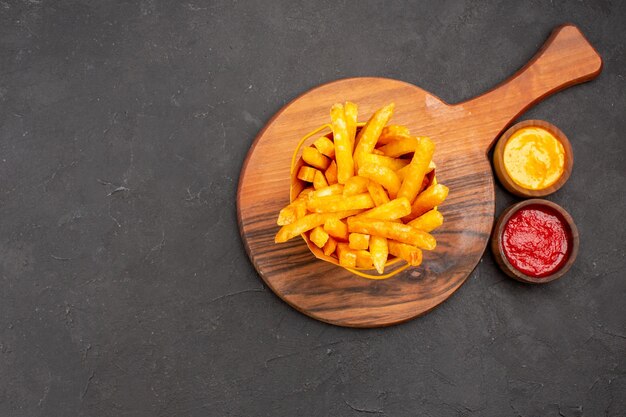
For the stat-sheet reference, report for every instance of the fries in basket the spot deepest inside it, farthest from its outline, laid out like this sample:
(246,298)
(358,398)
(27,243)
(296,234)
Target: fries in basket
(364,195)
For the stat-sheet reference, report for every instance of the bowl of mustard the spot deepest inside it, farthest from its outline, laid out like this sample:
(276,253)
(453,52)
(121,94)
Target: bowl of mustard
(533,158)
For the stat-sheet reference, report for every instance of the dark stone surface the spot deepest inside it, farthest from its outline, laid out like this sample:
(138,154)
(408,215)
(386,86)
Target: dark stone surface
(125,289)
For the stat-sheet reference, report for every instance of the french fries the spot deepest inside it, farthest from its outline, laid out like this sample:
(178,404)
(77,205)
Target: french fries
(393,210)
(400,147)
(428,221)
(355,185)
(287,215)
(313,157)
(380,252)
(305,192)
(319,181)
(417,169)
(358,241)
(331,173)
(431,197)
(334,203)
(403,170)
(382,175)
(363,259)
(336,228)
(307,173)
(330,246)
(292,212)
(343,145)
(308,222)
(350,110)
(319,236)
(325,146)
(411,254)
(361,196)
(393,163)
(378,193)
(392,132)
(391,230)
(335,189)
(347,257)
(368,136)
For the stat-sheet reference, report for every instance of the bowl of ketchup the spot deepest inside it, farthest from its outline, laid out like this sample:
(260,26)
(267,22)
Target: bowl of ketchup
(535,241)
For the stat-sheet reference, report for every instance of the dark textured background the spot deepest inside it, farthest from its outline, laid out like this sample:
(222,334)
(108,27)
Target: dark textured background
(125,288)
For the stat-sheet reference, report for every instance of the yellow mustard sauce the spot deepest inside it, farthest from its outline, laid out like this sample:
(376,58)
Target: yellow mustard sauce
(534,158)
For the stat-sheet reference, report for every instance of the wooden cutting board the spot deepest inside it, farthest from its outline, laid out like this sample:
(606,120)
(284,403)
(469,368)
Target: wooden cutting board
(463,134)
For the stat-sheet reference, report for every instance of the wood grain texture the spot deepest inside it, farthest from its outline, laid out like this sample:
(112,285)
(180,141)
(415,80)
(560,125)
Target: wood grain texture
(507,181)
(462,133)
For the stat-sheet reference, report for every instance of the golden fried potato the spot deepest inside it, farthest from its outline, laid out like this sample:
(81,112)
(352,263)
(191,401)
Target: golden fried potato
(343,145)
(336,203)
(400,147)
(368,136)
(313,157)
(382,175)
(307,223)
(393,163)
(392,230)
(319,236)
(392,132)
(287,215)
(351,112)
(347,257)
(292,212)
(319,181)
(331,173)
(366,198)
(402,171)
(393,210)
(325,146)
(417,169)
(307,173)
(431,197)
(330,246)
(428,221)
(305,192)
(358,241)
(411,254)
(355,185)
(336,228)
(335,189)
(378,193)
(363,259)
(380,252)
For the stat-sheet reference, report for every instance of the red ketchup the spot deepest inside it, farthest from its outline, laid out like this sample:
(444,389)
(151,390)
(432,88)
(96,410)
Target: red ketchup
(536,241)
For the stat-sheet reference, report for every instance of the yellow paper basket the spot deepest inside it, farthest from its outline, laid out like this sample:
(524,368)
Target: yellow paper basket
(297,185)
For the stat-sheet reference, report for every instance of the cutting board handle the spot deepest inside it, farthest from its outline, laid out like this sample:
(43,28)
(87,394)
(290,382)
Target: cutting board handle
(567,58)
